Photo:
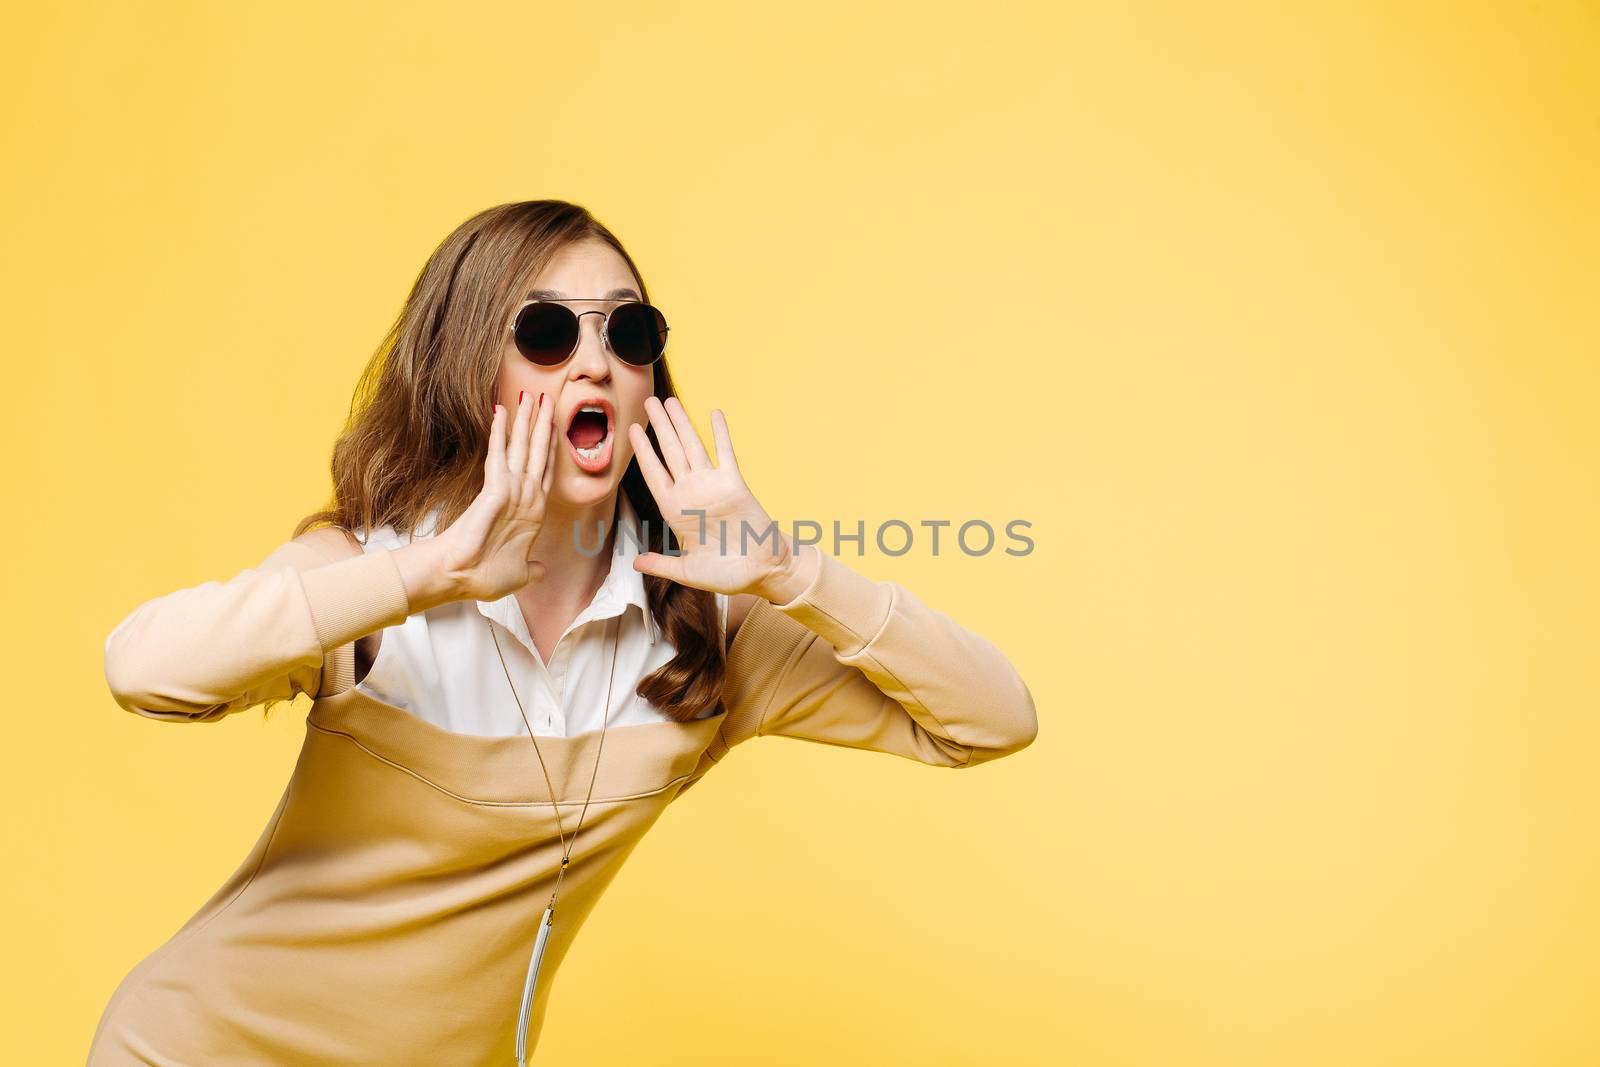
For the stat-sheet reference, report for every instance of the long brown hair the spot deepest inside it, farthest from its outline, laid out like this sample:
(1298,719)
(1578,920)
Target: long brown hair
(417,432)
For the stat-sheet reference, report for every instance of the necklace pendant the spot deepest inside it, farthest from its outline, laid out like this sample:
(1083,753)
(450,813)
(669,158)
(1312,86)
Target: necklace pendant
(530,984)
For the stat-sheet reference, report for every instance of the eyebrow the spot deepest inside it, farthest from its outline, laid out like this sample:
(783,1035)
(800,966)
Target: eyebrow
(555,294)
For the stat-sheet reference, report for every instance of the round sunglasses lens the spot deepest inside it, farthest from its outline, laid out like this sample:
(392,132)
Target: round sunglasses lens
(637,332)
(546,333)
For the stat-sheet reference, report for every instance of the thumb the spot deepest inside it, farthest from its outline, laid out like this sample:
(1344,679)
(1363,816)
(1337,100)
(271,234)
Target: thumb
(659,564)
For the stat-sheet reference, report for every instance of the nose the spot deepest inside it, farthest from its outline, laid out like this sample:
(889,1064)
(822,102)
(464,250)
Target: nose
(591,360)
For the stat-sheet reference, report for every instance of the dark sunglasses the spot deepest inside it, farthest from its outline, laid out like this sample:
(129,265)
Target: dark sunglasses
(546,333)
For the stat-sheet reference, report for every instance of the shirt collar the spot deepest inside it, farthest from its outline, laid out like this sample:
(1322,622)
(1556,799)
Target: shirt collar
(623,586)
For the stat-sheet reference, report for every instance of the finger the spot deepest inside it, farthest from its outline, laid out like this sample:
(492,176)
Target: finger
(553,450)
(661,565)
(693,447)
(517,457)
(539,461)
(549,467)
(667,438)
(726,460)
(494,463)
(655,476)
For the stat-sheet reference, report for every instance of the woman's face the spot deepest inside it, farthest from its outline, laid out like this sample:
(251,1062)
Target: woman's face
(586,276)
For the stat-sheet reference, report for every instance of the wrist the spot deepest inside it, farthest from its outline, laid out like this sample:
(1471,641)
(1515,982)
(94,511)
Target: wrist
(792,576)
(428,582)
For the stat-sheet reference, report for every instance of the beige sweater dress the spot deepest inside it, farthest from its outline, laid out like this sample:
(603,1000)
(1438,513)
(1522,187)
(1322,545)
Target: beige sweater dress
(387,911)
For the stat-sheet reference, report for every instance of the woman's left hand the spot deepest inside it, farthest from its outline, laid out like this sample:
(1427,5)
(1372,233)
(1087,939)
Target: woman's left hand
(727,541)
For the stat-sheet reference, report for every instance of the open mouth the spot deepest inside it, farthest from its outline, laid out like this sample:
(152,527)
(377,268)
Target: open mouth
(589,435)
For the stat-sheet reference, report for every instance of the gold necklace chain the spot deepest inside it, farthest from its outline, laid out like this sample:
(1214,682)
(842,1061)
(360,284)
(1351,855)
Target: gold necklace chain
(605,716)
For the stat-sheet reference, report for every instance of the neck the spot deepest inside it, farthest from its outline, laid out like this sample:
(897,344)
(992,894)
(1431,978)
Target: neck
(571,577)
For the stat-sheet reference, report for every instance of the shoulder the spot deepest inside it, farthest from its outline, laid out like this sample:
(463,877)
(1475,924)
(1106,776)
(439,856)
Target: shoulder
(334,543)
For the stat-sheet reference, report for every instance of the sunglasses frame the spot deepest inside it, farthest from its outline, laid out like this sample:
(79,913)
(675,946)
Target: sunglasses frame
(605,330)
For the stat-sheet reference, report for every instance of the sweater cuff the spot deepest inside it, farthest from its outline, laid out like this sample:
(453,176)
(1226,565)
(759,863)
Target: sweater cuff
(355,597)
(846,608)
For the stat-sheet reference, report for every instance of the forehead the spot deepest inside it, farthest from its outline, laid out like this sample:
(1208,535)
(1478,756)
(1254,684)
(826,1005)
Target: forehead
(586,270)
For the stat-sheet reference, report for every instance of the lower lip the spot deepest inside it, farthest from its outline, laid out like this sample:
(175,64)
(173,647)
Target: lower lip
(600,462)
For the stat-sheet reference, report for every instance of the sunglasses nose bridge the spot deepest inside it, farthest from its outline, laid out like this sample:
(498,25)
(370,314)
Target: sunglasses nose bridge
(600,331)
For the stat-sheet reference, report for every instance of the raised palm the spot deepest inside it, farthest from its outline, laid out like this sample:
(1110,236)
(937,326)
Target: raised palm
(486,548)
(727,540)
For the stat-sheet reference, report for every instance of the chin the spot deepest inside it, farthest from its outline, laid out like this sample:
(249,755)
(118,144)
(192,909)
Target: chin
(579,489)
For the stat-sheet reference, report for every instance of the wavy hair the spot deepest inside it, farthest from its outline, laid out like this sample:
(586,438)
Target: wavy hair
(416,435)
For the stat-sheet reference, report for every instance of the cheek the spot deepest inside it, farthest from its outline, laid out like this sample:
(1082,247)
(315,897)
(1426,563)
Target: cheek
(633,405)
(518,375)
(634,411)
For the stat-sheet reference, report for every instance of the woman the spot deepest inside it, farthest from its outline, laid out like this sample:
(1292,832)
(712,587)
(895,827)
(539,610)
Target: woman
(535,613)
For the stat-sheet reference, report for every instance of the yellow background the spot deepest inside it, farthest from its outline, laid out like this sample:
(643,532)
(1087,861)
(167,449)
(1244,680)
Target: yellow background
(1280,326)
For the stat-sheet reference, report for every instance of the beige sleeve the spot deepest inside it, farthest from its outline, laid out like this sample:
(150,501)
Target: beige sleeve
(199,654)
(865,664)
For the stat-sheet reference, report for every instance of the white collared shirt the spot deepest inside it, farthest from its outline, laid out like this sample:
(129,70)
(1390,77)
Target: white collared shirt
(441,664)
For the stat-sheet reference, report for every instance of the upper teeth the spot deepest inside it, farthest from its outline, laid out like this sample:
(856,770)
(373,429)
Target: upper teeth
(593,452)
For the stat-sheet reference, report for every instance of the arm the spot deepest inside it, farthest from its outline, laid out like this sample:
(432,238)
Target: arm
(199,654)
(863,664)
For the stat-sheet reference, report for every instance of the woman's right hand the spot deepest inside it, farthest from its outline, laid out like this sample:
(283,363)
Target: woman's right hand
(484,553)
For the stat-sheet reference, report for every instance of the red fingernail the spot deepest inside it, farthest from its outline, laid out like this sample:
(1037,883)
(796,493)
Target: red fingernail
(520,393)
(541,400)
